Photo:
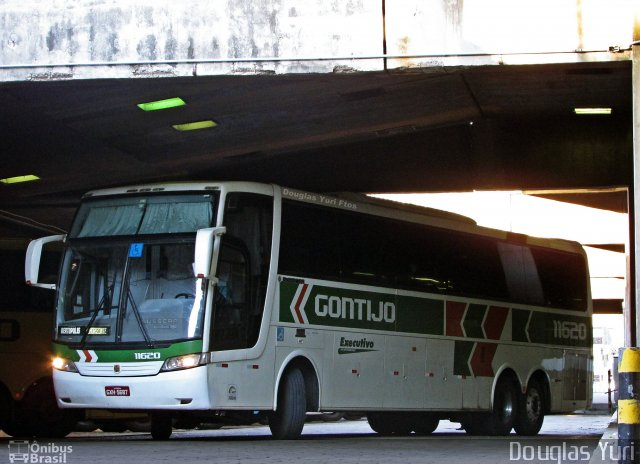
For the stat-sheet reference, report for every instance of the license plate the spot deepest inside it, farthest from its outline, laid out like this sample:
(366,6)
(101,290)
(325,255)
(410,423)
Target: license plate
(117,391)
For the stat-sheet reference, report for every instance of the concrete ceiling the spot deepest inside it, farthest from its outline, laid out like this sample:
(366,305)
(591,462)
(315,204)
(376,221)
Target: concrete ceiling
(418,130)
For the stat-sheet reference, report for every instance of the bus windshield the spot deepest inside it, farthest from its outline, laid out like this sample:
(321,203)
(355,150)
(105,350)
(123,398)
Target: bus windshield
(142,292)
(127,273)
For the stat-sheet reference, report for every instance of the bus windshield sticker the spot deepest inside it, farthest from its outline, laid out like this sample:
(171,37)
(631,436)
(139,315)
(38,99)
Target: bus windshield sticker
(135,250)
(80,330)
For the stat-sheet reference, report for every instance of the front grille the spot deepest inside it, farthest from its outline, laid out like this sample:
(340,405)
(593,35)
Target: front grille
(124,369)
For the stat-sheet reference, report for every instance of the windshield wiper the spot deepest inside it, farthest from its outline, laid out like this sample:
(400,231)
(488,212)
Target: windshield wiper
(126,296)
(94,316)
(136,313)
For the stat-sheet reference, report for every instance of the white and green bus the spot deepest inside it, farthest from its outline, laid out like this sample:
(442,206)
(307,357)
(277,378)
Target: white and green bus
(232,302)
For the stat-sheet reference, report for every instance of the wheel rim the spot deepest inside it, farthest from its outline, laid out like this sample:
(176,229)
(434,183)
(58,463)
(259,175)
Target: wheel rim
(533,404)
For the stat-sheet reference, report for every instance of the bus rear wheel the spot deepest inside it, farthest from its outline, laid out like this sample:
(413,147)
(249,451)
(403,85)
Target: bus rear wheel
(505,409)
(503,416)
(287,421)
(390,423)
(424,423)
(531,415)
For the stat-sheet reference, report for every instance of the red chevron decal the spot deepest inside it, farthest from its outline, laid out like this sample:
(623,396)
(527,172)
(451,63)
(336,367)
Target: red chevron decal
(455,313)
(305,287)
(482,358)
(494,322)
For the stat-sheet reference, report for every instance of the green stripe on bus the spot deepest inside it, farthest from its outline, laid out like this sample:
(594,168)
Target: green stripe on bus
(560,329)
(119,355)
(305,303)
(461,354)
(473,320)
(519,319)
(357,309)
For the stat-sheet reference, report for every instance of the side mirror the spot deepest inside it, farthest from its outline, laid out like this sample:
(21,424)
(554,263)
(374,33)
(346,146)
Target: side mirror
(205,248)
(33,258)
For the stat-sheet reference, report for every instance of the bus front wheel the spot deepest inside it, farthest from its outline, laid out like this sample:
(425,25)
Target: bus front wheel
(287,421)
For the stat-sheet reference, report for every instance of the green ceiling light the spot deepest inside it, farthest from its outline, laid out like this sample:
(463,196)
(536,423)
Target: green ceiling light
(162,104)
(18,179)
(592,110)
(195,125)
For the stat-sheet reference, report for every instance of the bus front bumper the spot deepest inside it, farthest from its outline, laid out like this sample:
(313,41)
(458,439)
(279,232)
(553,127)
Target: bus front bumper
(179,390)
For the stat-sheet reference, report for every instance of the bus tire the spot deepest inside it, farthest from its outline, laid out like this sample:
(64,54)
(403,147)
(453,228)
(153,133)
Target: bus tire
(380,423)
(161,426)
(505,409)
(38,414)
(287,421)
(529,421)
(425,423)
(390,423)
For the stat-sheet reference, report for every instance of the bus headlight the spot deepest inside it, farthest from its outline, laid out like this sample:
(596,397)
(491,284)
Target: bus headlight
(64,364)
(186,361)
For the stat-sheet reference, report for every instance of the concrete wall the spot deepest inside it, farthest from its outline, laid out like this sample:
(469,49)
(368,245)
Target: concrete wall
(42,39)
(141,31)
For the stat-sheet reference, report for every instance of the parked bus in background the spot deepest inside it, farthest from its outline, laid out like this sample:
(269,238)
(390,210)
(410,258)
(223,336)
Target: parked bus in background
(229,302)
(27,402)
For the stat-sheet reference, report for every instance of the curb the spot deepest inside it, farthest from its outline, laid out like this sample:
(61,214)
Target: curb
(609,436)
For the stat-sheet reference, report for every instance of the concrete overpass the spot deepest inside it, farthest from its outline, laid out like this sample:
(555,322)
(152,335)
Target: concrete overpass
(356,95)
(366,95)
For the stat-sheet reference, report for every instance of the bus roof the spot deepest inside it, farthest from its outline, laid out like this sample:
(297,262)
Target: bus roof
(370,205)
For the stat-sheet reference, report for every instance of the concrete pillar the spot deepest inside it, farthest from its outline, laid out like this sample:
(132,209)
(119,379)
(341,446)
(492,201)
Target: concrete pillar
(629,406)
(634,327)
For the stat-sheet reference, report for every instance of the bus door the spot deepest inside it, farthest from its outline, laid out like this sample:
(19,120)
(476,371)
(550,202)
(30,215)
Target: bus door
(575,377)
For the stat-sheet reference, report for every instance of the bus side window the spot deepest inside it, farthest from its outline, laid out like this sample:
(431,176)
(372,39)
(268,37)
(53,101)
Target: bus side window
(521,274)
(244,267)
(563,278)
